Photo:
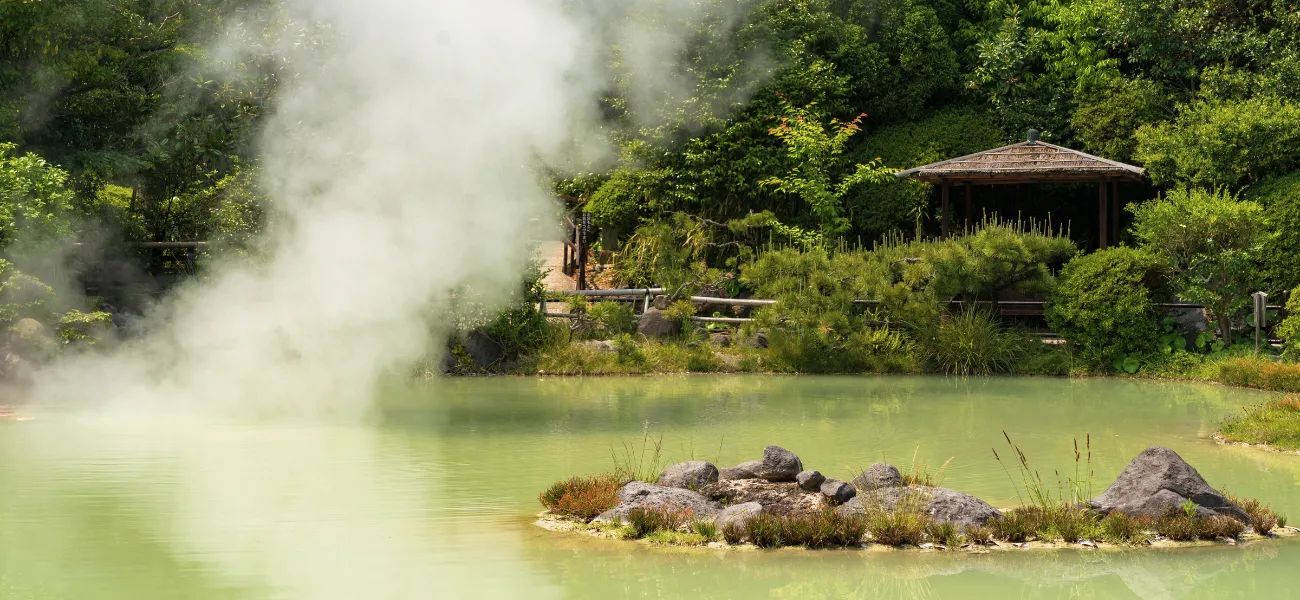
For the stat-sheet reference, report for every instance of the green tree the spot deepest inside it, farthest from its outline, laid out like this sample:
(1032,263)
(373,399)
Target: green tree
(1216,142)
(816,148)
(1209,242)
(35,202)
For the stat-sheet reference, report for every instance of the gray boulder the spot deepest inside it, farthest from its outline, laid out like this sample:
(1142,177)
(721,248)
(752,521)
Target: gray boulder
(647,496)
(940,504)
(745,470)
(837,491)
(780,464)
(877,476)
(737,515)
(810,481)
(691,475)
(482,349)
(654,324)
(1159,481)
(31,338)
(720,339)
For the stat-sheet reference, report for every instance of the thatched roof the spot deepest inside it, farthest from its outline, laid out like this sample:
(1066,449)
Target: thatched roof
(1027,162)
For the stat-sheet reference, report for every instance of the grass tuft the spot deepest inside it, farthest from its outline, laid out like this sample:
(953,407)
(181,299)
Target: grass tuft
(1275,423)
(823,528)
(944,533)
(582,497)
(1122,528)
(1262,518)
(642,522)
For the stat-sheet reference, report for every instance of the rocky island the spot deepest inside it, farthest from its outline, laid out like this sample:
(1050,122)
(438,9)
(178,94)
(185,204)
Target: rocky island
(1158,500)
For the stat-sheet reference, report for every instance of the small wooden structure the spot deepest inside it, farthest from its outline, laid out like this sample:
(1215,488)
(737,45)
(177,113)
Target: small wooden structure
(1031,161)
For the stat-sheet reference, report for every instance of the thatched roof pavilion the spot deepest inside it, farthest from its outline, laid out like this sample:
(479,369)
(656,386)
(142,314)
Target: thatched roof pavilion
(1031,161)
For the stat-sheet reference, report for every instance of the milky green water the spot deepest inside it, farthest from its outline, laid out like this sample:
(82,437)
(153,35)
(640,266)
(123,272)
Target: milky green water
(435,498)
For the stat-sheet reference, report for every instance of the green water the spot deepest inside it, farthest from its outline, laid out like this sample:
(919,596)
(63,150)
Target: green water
(434,499)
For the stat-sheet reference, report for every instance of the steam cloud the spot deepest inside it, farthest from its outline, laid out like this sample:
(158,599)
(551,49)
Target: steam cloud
(403,163)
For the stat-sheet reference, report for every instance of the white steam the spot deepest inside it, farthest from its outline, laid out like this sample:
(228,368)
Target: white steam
(402,164)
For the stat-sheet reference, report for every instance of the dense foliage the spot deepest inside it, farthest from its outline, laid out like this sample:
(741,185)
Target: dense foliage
(1209,243)
(1102,304)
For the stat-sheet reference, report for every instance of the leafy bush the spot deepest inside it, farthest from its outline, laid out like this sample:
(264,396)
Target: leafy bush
(35,202)
(75,326)
(629,353)
(612,318)
(1280,197)
(1102,304)
(680,312)
(582,497)
(23,296)
(972,342)
(1289,329)
(1209,243)
(1223,142)
(816,325)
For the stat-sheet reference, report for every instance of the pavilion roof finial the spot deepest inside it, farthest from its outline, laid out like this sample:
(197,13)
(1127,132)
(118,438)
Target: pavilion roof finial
(1033,136)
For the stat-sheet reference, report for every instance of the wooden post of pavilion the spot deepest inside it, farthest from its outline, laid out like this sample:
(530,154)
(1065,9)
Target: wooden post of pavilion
(969,214)
(1114,211)
(944,225)
(1105,223)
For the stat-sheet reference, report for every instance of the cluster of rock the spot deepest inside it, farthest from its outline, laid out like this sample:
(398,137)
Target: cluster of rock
(1156,482)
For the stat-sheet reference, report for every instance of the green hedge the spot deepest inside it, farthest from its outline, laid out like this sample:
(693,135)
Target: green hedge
(1102,304)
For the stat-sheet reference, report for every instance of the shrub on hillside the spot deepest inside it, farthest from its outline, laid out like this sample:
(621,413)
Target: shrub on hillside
(1281,257)
(1289,329)
(612,319)
(1102,304)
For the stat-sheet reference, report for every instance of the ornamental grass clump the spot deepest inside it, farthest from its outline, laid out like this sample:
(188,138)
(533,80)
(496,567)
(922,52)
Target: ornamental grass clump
(822,528)
(705,528)
(733,533)
(973,342)
(903,523)
(1262,518)
(978,534)
(1184,524)
(1072,523)
(642,522)
(1016,526)
(943,532)
(1122,528)
(582,497)
(764,530)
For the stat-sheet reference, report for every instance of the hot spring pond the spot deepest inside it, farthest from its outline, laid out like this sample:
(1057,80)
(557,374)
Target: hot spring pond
(435,498)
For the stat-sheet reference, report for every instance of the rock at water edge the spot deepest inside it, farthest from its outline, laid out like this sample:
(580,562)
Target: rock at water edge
(691,475)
